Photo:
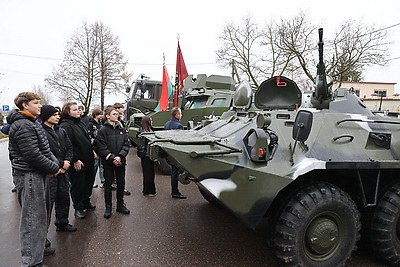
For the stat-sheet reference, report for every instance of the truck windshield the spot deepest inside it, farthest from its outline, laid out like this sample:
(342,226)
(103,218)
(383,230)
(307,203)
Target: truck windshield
(197,102)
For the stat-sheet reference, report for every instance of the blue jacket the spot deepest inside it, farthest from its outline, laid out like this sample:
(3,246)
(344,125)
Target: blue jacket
(173,124)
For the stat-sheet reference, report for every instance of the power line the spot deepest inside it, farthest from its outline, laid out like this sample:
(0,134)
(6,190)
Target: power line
(19,55)
(25,73)
(133,63)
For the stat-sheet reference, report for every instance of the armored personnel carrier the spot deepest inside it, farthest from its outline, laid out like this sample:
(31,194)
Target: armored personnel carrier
(323,177)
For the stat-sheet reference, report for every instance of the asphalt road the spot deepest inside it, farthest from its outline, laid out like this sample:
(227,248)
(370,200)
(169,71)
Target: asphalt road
(160,231)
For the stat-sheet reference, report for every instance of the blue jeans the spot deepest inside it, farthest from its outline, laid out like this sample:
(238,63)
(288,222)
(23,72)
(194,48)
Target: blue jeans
(33,223)
(98,165)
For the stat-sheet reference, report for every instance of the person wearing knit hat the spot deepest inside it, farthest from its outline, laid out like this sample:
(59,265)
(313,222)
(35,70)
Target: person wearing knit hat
(46,112)
(57,189)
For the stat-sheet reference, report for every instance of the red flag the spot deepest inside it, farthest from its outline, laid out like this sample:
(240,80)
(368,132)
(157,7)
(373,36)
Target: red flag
(163,103)
(181,74)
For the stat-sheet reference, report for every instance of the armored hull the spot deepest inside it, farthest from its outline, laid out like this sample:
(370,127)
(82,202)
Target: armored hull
(318,174)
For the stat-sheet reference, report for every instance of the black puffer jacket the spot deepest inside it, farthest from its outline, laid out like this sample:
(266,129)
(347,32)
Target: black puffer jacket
(60,145)
(79,137)
(112,141)
(28,145)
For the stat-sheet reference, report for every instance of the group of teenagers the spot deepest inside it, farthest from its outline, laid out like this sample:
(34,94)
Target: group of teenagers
(55,154)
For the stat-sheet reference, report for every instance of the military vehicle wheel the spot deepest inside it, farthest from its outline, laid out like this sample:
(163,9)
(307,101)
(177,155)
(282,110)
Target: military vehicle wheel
(207,196)
(163,166)
(318,227)
(384,228)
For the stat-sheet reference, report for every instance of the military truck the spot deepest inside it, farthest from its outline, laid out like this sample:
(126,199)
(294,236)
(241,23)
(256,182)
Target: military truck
(202,97)
(321,176)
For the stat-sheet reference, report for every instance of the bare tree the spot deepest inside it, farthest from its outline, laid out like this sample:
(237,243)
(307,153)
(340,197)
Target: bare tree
(112,76)
(45,97)
(295,39)
(239,43)
(288,47)
(355,47)
(92,64)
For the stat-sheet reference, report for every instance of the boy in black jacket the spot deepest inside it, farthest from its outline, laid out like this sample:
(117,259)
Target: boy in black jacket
(112,146)
(58,188)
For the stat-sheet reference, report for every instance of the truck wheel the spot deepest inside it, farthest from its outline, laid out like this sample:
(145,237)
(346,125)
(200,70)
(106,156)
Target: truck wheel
(163,166)
(384,228)
(319,226)
(208,197)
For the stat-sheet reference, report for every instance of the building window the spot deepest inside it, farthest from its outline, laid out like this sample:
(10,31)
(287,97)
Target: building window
(380,93)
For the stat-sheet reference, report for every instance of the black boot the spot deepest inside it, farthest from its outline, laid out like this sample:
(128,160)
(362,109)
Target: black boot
(107,213)
(122,208)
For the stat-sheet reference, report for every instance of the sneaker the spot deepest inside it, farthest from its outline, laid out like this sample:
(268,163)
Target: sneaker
(90,206)
(179,196)
(80,214)
(101,185)
(66,228)
(107,213)
(127,193)
(49,251)
(149,195)
(95,185)
(122,209)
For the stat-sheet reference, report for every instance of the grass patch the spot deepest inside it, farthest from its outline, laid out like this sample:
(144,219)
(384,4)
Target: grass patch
(3,135)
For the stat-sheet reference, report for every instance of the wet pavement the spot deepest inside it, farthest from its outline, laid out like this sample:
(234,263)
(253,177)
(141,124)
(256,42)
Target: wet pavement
(160,231)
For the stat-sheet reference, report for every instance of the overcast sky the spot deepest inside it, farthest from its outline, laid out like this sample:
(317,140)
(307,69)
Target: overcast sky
(34,33)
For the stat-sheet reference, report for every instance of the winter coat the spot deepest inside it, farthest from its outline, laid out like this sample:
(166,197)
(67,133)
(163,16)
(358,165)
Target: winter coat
(173,124)
(112,141)
(28,146)
(79,137)
(93,128)
(60,145)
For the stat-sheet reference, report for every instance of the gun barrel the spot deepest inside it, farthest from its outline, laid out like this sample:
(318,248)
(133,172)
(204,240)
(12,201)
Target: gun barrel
(321,97)
(321,47)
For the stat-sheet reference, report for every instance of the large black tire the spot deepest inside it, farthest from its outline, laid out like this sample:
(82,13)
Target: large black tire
(319,226)
(163,166)
(384,228)
(207,196)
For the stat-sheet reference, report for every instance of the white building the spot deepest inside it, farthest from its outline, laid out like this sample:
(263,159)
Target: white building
(376,96)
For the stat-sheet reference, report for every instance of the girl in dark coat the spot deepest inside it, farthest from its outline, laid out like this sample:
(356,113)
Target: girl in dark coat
(149,187)
(82,174)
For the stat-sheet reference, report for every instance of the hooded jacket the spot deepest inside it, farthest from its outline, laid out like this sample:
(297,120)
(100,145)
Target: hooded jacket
(29,148)
(112,141)
(79,137)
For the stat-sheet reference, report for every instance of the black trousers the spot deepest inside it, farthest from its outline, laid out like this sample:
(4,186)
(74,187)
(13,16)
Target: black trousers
(149,186)
(81,187)
(57,191)
(117,173)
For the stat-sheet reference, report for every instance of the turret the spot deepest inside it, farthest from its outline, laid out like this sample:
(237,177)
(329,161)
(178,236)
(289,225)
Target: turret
(323,93)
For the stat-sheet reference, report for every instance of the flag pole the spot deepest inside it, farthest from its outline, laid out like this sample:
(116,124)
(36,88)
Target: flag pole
(176,87)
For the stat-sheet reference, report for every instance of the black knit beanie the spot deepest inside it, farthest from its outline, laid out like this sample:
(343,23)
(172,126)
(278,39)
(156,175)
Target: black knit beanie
(46,112)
